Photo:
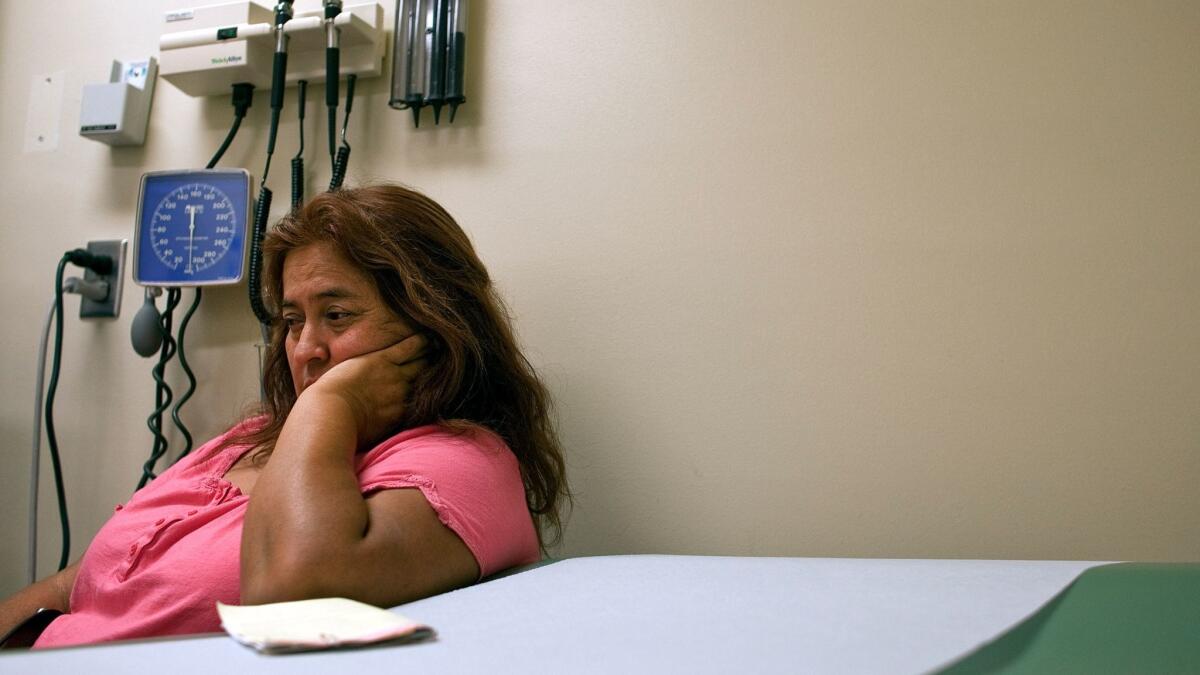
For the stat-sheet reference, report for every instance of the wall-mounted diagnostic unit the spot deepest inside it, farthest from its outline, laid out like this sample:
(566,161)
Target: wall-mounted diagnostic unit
(191,227)
(206,49)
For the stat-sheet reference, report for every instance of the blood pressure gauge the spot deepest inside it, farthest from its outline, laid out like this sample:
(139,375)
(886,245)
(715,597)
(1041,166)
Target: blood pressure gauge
(191,227)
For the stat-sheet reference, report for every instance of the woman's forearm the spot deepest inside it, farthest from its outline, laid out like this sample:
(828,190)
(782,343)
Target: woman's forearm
(306,515)
(53,592)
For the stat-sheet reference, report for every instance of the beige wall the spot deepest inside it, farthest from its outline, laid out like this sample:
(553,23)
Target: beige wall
(806,278)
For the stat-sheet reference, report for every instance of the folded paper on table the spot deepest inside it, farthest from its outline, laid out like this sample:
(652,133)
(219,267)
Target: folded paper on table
(324,623)
(1121,618)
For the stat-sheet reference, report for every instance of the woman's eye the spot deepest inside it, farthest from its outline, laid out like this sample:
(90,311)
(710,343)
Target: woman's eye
(336,315)
(292,322)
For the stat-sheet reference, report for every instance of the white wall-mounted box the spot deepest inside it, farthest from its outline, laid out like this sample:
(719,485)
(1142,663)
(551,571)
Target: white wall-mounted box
(204,51)
(118,111)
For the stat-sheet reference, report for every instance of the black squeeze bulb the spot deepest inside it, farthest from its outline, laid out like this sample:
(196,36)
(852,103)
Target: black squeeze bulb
(146,330)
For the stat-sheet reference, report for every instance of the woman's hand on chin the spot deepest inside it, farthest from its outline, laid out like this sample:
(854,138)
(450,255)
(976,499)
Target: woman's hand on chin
(372,387)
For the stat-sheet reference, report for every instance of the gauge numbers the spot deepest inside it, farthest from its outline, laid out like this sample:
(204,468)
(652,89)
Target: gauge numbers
(192,227)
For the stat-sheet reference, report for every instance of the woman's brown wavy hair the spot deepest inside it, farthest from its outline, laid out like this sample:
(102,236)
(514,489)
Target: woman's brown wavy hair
(427,272)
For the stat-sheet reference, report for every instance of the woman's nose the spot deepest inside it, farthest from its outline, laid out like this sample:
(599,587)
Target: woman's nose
(310,345)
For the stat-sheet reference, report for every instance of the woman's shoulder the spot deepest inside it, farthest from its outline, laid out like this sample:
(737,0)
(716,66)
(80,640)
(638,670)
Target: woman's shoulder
(444,439)
(439,452)
(471,480)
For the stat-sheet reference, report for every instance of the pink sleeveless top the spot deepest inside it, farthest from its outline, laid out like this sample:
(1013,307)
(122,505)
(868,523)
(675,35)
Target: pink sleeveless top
(164,559)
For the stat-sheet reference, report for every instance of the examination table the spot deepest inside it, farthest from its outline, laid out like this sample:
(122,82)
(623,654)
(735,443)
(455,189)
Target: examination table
(695,614)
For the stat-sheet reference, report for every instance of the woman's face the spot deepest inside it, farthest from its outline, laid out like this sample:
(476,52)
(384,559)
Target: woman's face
(333,312)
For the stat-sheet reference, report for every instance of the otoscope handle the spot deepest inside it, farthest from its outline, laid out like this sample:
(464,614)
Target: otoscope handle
(332,73)
(278,80)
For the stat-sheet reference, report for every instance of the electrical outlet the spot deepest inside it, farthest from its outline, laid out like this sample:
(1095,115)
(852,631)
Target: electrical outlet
(110,307)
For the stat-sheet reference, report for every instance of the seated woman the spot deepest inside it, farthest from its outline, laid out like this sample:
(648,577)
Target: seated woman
(403,448)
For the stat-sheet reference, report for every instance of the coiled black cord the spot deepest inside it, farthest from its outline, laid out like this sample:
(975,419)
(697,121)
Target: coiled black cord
(191,376)
(56,362)
(298,160)
(339,167)
(343,153)
(297,182)
(163,394)
(262,207)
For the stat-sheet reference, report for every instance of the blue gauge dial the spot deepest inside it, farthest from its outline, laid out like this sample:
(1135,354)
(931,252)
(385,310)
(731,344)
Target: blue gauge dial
(192,227)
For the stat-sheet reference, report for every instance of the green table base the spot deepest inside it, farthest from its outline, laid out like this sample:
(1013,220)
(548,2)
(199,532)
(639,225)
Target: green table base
(1123,618)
